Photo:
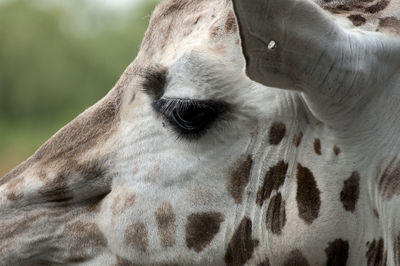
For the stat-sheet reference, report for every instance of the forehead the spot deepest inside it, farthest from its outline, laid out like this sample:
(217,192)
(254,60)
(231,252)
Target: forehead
(180,27)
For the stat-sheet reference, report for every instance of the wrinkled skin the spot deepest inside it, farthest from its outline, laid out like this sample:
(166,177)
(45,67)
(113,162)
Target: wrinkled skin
(220,147)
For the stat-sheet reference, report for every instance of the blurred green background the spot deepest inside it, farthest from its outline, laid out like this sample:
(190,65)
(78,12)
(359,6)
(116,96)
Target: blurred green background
(57,58)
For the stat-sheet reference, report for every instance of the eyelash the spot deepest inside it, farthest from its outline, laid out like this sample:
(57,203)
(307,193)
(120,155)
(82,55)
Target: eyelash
(173,108)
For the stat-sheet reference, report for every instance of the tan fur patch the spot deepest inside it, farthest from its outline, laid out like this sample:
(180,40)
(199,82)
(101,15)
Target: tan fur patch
(164,21)
(201,229)
(240,177)
(84,132)
(18,226)
(136,236)
(230,24)
(84,240)
(389,24)
(71,175)
(89,129)
(366,7)
(56,189)
(122,201)
(14,189)
(165,217)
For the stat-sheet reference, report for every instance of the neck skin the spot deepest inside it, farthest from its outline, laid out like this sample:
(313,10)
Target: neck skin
(328,215)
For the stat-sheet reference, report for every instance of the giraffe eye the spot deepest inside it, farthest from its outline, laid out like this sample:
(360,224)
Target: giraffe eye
(192,118)
(189,118)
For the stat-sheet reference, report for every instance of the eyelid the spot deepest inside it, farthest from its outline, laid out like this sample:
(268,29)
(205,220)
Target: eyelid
(167,106)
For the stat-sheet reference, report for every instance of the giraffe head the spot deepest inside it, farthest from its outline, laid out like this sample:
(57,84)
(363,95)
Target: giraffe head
(188,161)
(158,165)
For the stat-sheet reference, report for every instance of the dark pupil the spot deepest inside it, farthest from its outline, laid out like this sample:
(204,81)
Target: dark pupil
(190,118)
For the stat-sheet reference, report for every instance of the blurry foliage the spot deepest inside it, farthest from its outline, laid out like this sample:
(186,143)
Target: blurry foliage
(56,60)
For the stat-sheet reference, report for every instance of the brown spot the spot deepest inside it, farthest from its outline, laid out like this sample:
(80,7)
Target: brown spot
(79,177)
(361,6)
(15,183)
(336,150)
(357,20)
(375,254)
(241,247)
(18,225)
(376,213)
(122,202)
(276,214)
(264,262)
(84,240)
(273,180)
(297,139)
(14,189)
(214,31)
(308,195)
(317,146)
(381,5)
(389,183)
(124,262)
(14,196)
(240,177)
(166,224)
(276,133)
(350,192)
(197,20)
(337,253)
(391,24)
(56,190)
(136,236)
(230,24)
(396,250)
(296,258)
(201,228)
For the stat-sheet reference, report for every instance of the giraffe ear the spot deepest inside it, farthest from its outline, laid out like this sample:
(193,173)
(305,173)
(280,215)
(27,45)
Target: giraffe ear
(260,45)
(285,41)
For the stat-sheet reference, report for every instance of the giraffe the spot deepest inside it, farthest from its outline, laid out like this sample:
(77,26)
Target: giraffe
(245,132)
